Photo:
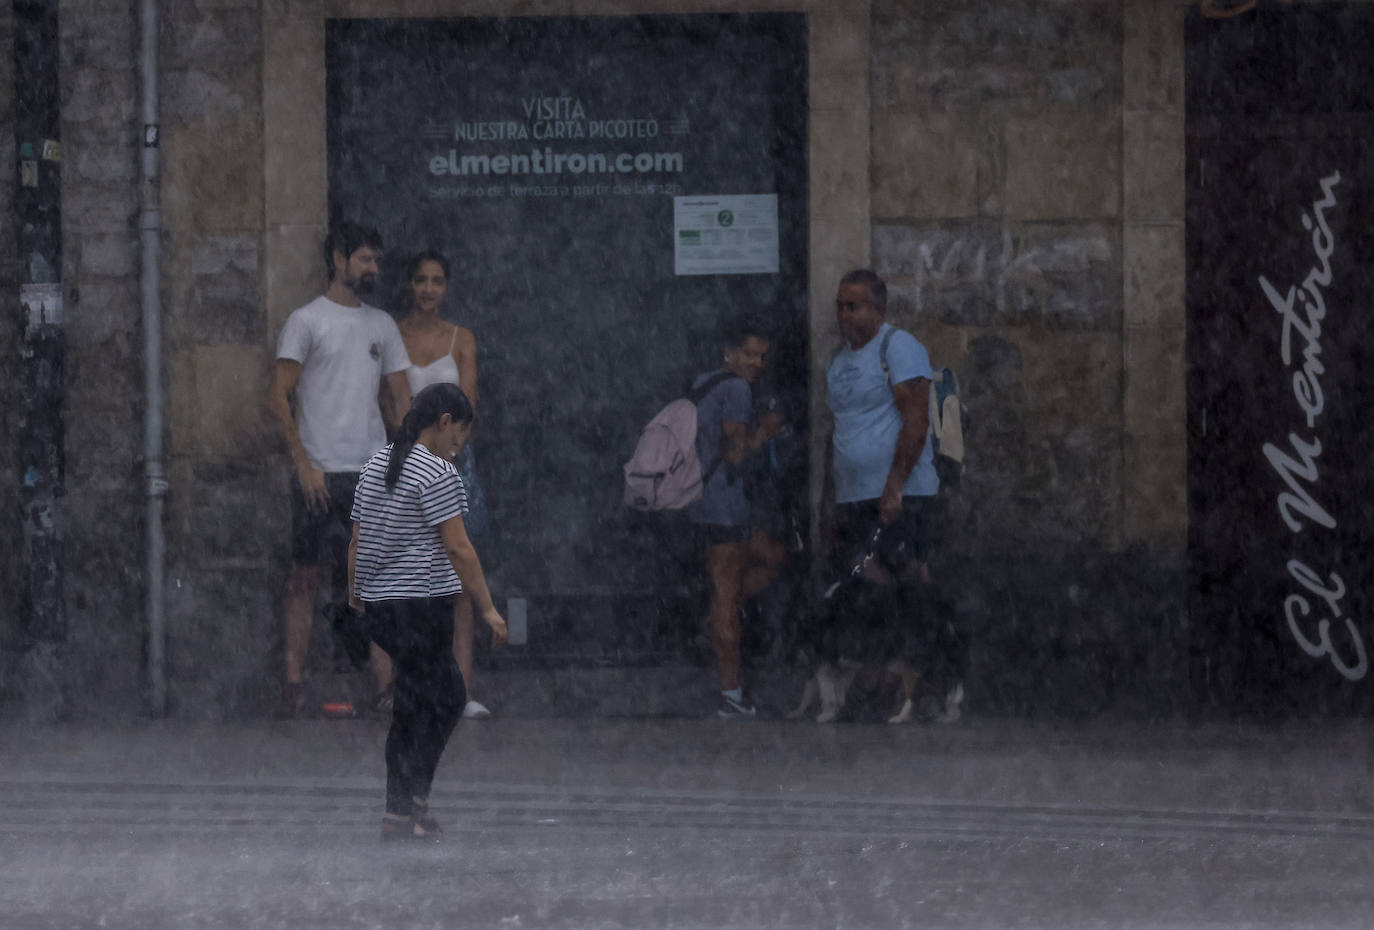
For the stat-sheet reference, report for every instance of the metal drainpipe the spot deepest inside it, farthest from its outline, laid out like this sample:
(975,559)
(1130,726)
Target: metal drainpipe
(150,231)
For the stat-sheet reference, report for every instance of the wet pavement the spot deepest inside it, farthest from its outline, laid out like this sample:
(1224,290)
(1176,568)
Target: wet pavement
(693,823)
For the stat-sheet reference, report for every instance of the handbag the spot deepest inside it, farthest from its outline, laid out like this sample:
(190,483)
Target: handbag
(352,635)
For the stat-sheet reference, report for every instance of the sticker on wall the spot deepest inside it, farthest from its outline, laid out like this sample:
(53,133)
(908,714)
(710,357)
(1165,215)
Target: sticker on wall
(28,173)
(52,150)
(735,234)
(26,150)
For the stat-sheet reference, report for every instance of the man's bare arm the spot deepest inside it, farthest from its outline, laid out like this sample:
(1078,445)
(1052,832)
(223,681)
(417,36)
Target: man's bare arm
(396,394)
(286,374)
(913,405)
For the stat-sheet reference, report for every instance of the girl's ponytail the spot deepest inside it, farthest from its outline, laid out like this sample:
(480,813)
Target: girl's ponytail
(400,449)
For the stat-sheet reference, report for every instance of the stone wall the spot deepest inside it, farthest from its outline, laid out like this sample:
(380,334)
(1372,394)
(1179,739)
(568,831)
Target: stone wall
(996,221)
(226,533)
(102,660)
(1155,316)
(1017,178)
(1027,206)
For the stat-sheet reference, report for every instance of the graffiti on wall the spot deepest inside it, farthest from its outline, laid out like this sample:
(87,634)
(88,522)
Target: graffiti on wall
(983,273)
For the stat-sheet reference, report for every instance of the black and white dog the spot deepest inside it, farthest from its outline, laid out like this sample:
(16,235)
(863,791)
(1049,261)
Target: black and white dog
(865,624)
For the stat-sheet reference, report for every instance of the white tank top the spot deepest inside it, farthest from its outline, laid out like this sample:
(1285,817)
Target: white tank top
(444,368)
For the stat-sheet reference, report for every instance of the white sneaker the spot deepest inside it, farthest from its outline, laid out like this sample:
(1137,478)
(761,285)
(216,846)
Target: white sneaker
(475,710)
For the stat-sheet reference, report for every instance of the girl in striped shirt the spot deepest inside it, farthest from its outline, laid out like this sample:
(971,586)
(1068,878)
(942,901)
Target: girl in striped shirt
(408,559)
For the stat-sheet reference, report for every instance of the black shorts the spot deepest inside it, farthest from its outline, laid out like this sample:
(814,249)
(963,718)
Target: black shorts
(910,537)
(313,535)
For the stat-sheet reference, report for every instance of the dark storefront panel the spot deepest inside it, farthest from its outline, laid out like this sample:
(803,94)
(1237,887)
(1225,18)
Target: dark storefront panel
(543,156)
(1280,253)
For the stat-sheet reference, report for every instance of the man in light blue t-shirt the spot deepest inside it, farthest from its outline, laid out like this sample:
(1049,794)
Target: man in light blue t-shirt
(879,391)
(883,466)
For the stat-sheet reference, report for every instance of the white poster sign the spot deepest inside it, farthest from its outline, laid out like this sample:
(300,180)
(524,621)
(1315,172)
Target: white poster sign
(731,234)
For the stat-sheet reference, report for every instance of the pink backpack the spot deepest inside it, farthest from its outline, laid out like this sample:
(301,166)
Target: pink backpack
(664,473)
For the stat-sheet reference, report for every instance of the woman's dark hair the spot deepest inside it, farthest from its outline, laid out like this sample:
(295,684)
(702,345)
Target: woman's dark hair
(426,409)
(407,301)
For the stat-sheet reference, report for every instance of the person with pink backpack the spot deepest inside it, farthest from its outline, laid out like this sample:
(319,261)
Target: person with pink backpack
(741,559)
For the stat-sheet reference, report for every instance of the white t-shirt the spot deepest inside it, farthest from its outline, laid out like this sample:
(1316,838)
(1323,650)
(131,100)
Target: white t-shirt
(344,352)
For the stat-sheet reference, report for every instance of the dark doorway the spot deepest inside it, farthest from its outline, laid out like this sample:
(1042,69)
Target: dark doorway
(544,156)
(1280,182)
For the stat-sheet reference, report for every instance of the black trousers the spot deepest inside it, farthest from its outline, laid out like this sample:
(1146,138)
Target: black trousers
(430,693)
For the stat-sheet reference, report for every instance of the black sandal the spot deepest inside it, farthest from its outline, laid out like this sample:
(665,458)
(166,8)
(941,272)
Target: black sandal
(422,821)
(396,827)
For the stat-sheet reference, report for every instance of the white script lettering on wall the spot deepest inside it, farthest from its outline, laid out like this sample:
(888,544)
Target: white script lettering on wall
(1317,604)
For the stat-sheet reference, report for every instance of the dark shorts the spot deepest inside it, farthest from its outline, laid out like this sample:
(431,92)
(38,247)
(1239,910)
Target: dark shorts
(714,534)
(315,535)
(909,537)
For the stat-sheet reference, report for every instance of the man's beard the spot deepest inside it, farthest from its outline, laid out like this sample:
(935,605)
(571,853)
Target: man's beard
(365,285)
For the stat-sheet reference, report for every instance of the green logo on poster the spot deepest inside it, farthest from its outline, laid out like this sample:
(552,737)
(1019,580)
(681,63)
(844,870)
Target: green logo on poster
(725,218)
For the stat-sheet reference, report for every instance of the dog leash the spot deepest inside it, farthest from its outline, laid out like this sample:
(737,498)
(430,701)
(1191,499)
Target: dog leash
(870,552)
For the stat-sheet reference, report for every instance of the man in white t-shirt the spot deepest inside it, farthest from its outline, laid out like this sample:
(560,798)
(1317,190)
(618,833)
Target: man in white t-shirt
(345,363)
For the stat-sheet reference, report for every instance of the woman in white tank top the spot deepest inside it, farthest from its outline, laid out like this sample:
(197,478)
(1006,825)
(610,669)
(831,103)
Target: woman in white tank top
(440,351)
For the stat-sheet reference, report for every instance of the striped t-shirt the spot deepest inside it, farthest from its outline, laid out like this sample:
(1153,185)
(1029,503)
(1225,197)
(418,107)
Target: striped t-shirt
(400,553)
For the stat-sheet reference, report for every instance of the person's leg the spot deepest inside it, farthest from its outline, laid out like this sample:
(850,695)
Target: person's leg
(429,695)
(342,486)
(400,758)
(725,566)
(298,607)
(442,695)
(391,628)
(446,695)
(763,560)
(383,670)
(297,615)
(765,556)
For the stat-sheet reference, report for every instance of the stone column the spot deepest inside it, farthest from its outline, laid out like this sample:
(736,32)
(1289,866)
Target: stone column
(1155,398)
(103,421)
(226,535)
(841,160)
